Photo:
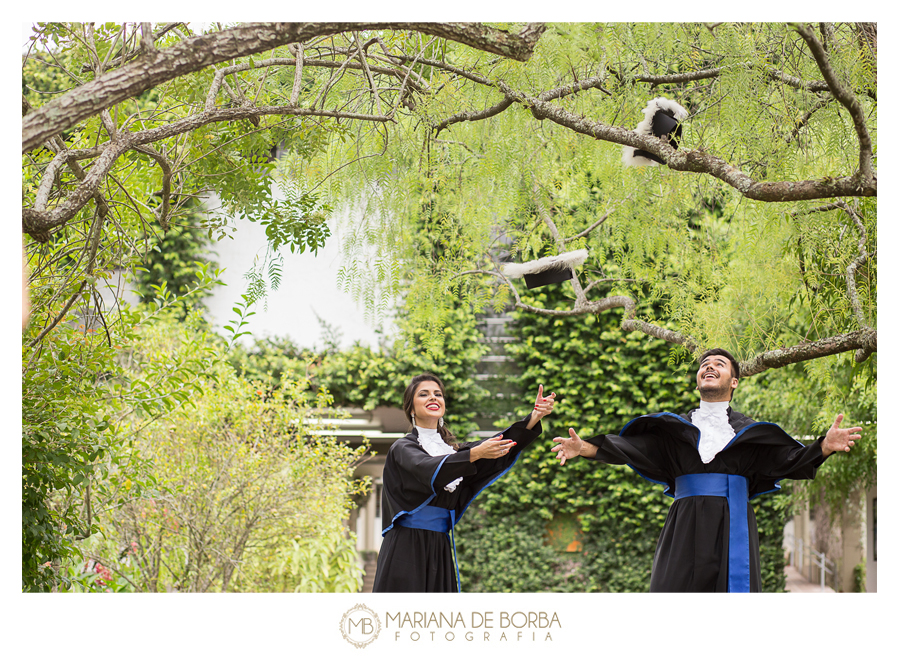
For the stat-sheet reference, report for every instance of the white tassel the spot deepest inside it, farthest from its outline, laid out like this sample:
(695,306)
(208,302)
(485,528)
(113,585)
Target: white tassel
(560,261)
(629,159)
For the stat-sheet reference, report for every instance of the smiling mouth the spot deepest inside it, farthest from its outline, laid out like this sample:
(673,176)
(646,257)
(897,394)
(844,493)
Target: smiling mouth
(710,375)
(432,407)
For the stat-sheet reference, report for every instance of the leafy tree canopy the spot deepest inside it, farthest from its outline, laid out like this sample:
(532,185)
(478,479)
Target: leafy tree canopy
(514,155)
(125,126)
(758,234)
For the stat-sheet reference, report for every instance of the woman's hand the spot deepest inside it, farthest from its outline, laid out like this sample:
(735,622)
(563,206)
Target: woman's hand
(542,406)
(491,449)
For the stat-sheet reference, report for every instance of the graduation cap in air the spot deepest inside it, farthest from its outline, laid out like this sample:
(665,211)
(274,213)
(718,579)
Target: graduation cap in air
(544,271)
(662,118)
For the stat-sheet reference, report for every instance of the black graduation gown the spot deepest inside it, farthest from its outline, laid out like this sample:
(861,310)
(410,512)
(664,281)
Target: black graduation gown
(416,560)
(692,551)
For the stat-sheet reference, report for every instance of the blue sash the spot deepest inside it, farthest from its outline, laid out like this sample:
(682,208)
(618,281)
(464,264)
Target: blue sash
(437,519)
(734,489)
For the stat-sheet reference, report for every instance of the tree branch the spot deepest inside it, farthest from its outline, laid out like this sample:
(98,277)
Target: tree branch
(365,65)
(154,67)
(584,307)
(698,161)
(846,98)
(473,116)
(123,54)
(49,176)
(59,316)
(865,340)
(552,94)
(444,66)
(163,213)
(93,245)
(332,81)
(679,78)
(797,83)
(795,132)
(588,229)
(574,88)
(853,266)
(655,331)
(707,74)
(39,223)
(298,75)
(148,39)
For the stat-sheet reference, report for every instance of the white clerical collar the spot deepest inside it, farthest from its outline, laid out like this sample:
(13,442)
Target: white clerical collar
(715,430)
(714,407)
(426,432)
(431,438)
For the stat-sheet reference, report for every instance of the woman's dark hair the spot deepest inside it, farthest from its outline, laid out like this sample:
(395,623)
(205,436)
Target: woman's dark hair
(408,408)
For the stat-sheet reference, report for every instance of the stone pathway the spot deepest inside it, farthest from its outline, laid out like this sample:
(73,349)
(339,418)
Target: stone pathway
(796,583)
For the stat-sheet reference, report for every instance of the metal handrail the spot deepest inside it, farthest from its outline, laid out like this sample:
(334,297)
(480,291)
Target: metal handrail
(802,552)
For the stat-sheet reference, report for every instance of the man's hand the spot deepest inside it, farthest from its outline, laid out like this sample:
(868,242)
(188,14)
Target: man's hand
(840,440)
(568,448)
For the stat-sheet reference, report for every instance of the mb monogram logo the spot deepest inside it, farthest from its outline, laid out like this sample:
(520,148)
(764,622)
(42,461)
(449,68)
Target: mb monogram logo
(360,626)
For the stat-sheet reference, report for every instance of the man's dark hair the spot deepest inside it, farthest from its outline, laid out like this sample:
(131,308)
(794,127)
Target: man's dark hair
(718,351)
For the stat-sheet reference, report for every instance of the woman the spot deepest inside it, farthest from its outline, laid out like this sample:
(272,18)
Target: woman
(430,480)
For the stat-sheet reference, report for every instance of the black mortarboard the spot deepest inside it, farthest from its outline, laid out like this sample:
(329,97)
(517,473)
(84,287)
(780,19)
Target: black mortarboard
(544,271)
(662,118)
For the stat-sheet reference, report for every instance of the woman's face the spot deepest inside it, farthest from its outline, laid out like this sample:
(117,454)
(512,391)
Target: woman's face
(428,404)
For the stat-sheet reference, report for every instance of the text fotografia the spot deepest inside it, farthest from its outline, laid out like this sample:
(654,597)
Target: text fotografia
(477,627)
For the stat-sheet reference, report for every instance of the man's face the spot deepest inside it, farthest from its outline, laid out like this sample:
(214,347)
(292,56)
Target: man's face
(715,380)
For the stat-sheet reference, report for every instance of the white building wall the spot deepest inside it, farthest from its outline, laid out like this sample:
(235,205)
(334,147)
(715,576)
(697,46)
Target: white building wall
(308,289)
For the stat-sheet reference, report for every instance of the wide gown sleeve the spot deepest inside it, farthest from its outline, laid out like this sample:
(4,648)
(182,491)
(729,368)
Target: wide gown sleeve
(645,453)
(427,473)
(487,468)
(795,462)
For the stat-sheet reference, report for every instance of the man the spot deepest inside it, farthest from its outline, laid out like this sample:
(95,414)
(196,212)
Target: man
(712,460)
